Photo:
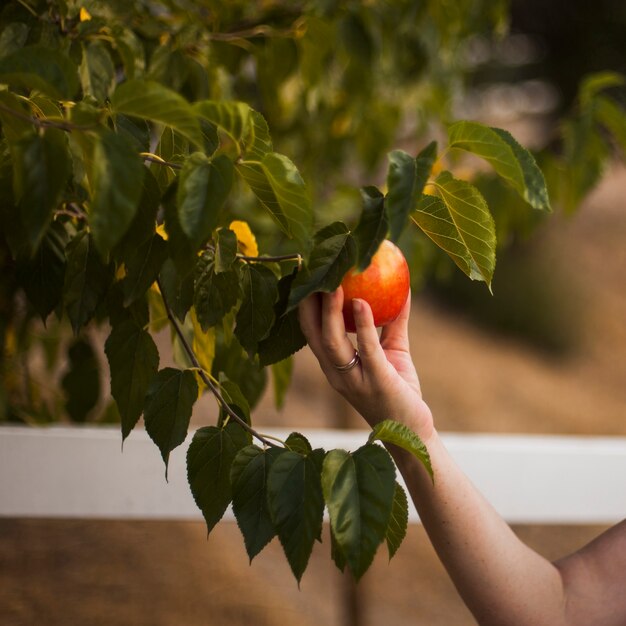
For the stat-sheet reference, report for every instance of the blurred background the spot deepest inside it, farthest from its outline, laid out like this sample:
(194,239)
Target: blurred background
(544,354)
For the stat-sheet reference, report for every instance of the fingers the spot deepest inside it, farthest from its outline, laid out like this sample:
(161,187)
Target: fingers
(395,335)
(372,355)
(337,346)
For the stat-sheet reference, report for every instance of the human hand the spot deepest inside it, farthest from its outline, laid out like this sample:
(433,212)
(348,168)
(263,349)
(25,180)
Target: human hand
(384,383)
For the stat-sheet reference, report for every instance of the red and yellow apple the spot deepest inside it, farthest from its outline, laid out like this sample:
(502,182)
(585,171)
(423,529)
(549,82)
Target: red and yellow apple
(384,285)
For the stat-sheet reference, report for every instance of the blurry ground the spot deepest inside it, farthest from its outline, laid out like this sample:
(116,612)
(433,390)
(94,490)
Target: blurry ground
(157,573)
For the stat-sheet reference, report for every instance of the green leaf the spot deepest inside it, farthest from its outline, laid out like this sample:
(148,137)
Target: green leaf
(41,68)
(81,382)
(613,118)
(209,459)
(14,126)
(232,394)
(203,187)
(336,554)
(256,313)
(285,337)
(225,250)
(333,254)
(97,71)
(12,38)
(155,102)
(41,168)
(405,183)
(297,442)
(372,227)
(133,360)
(41,276)
(460,224)
(116,176)
(87,280)
(277,184)
(398,521)
(359,490)
(281,379)
(510,160)
(143,267)
(177,289)
(400,435)
(593,84)
(248,477)
(168,406)
(215,294)
(182,250)
(294,496)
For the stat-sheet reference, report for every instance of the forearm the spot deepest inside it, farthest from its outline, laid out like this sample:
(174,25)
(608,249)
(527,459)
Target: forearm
(502,581)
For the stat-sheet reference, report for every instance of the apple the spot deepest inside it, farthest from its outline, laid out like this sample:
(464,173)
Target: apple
(384,284)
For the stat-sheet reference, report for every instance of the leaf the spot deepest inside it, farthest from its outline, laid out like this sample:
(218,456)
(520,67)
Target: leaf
(400,435)
(168,406)
(143,268)
(372,227)
(246,241)
(594,84)
(460,224)
(297,442)
(613,118)
(294,496)
(405,183)
(359,490)
(209,459)
(133,360)
(281,378)
(155,102)
(14,124)
(41,276)
(336,554)
(41,168)
(225,250)
(333,254)
(116,177)
(87,280)
(248,477)
(510,160)
(177,288)
(203,344)
(232,394)
(256,313)
(97,71)
(203,187)
(81,381)
(398,521)
(215,294)
(41,68)
(277,184)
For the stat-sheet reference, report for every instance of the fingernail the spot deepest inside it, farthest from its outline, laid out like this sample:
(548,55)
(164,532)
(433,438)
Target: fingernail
(357,306)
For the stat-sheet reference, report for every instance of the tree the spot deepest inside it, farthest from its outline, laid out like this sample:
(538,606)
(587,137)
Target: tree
(148,178)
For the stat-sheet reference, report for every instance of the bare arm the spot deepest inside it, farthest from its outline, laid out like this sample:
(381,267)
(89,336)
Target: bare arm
(502,581)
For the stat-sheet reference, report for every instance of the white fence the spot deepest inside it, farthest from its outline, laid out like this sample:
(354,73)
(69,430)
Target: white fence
(69,472)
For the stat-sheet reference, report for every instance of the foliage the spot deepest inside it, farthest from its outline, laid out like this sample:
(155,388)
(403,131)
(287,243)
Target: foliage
(159,167)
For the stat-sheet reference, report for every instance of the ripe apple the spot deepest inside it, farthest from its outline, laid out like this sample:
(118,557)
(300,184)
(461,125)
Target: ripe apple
(384,284)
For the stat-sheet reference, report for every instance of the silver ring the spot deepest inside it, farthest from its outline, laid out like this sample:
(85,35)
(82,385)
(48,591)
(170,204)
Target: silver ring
(348,366)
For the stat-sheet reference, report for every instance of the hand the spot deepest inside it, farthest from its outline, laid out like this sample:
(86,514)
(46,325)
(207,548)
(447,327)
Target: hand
(384,385)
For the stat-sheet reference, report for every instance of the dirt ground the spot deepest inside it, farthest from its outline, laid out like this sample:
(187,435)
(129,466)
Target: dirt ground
(55,572)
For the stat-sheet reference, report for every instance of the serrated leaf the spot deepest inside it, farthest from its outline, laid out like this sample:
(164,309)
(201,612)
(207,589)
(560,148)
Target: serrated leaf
(398,521)
(460,223)
(41,168)
(168,406)
(297,442)
(400,435)
(296,505)
(87,280)
(203,187)
(256,313)
(81,381)
(405,183)
(372,227)
(133,360)
(209,459)
(143,267)
(359,490)
(155,102)
(97,71)
(225,250)
(280,189)
(510,160)
(215,294)
(41,68)
(116,178)
(333,254)
(248,477)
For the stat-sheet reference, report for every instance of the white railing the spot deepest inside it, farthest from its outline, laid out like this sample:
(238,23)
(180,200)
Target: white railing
(69,472)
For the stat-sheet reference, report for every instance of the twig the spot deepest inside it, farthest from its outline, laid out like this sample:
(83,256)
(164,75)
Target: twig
(47,123)
(271,259)
(156,159)
(207,381)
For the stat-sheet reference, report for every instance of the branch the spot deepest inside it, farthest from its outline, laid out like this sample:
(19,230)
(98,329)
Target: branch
(47,123)
(207,381)
(153,158)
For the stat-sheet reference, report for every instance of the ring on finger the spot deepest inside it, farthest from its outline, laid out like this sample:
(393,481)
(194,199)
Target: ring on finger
(348,366)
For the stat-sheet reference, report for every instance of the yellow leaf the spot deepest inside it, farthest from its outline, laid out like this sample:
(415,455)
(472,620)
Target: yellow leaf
(160,229)
(203,346)
(120,272)
(246,241)
(85,16)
